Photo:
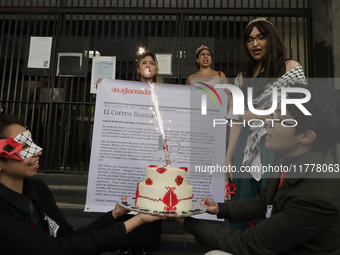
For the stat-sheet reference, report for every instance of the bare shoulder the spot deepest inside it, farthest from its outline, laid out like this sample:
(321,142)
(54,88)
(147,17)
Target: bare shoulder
(195,75)
(290,64)
(223,78)
(190,77)
(223,75)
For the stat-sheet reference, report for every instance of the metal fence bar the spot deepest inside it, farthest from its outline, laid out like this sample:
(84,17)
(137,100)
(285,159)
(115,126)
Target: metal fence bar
(297,39)
(11,62)
(80,108)
(228,38)
(128,32)
(145,4)
(60,124)
(5,63)
(235,44)
(87,97)
(1,43)
(65,127)
(290,37)
(18,64)
(305,44)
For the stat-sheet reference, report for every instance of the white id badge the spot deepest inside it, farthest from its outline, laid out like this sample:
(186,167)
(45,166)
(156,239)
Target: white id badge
(269,211)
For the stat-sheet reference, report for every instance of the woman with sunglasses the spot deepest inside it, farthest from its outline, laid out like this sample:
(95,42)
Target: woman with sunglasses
(265,66)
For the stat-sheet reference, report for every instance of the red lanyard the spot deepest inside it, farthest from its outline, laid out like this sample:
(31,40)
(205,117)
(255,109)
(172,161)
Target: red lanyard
(282,177)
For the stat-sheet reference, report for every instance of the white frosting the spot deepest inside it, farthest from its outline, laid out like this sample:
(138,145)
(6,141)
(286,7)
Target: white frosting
(167,178)
(164,190)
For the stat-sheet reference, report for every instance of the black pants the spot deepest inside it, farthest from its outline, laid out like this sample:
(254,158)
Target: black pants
(144,236)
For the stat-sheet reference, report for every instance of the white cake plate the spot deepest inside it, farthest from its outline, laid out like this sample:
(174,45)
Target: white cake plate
(129,204)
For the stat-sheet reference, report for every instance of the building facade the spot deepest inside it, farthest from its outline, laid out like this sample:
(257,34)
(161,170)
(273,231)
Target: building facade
(55,101)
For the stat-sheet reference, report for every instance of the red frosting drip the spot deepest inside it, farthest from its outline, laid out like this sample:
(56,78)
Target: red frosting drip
(137,193)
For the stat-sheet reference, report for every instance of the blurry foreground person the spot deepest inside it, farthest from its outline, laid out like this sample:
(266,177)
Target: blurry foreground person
(302,207)
(30,220)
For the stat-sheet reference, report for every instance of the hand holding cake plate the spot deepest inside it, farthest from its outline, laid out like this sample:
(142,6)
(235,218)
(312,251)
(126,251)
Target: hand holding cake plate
(129,204)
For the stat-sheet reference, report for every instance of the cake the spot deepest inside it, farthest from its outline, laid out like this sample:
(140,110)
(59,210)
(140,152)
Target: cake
(164,189)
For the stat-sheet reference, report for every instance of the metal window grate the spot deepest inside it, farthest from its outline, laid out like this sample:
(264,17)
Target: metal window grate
(160,3)
(59,110)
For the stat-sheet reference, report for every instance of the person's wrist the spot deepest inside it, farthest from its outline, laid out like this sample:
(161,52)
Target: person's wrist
(139,219)
(114,214)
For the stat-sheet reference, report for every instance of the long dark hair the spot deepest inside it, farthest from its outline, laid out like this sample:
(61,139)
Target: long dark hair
(274,60)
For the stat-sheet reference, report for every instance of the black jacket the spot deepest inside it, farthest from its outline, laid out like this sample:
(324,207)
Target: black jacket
(305,216)
(17,237)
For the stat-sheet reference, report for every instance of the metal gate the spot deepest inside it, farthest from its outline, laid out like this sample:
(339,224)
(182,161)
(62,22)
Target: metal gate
(59,109)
